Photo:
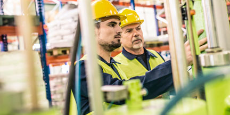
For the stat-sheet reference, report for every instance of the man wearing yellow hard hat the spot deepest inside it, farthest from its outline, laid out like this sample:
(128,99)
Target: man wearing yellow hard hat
(134,55)
(135,59)
(108,35)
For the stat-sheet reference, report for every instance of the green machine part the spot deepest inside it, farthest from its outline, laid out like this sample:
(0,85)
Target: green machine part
(199,18)
(217,94)
(136,106)
(11,103)
(218,91)
(135,98)
(154,107)
(198,23)
(227,110)
(194,29)
(41,112)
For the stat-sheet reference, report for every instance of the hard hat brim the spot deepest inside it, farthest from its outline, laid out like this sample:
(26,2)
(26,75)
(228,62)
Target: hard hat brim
(122,17)
(139,21)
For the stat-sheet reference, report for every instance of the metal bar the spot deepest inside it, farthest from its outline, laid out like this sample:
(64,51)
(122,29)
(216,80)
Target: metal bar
(60,5)
(132,4)
(178,40)
(172,45)
(26,29)
(220,16)
(210,24)
(156,21)
(4,36)
(93,74)
(78,78)
(4,42)
(192,43)
(1,7)
(43,41)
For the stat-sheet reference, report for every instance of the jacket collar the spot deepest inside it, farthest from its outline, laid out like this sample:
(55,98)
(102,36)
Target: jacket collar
(131,56)
(111,60)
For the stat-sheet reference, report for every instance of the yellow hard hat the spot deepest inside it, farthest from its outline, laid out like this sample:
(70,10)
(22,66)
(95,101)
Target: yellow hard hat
(132,17)
(104,8)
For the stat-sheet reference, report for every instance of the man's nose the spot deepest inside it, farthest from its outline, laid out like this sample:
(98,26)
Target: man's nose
(118,29)
(136,33)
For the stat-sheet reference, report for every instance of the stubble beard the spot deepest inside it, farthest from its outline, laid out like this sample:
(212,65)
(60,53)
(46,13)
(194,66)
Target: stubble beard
(111,47)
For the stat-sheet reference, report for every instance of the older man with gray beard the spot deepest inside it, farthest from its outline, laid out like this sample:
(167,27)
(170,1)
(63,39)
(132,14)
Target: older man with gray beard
(135,59)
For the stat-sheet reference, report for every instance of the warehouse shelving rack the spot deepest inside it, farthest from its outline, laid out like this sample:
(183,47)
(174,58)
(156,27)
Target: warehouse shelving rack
(13,30)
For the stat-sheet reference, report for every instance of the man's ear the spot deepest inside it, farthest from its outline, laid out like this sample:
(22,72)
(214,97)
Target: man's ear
(97,32)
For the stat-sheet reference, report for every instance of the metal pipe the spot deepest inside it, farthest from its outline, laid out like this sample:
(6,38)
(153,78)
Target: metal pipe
(178,40)
(25,28)
(210,24)
(220,15)
(178,58)
(132,4)
(172,45)
(192,42)
(93,74)
(156,21)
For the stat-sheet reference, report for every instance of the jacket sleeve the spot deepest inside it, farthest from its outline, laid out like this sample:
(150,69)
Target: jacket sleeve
(158,80)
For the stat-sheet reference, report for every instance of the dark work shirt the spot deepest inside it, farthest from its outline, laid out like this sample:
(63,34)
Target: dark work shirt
(159,84)
(143,60)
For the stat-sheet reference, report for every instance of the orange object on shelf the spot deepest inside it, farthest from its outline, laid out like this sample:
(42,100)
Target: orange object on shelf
(57,60)
(63,1)
(136,4)
(161,48)
(13,30)
(192,12)
(114,3)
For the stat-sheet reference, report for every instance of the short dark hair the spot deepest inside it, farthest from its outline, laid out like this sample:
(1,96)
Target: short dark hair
(97,25)
(97,22)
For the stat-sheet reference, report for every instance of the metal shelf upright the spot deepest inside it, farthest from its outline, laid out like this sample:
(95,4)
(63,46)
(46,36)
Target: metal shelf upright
(132,4)
(3,36)
(43,41)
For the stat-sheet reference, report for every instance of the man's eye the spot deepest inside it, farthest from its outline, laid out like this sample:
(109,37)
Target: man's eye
(112,25)
(129,31)
(138,28)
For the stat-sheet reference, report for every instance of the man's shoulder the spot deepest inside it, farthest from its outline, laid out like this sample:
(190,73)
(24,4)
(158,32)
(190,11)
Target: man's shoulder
(151,50)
